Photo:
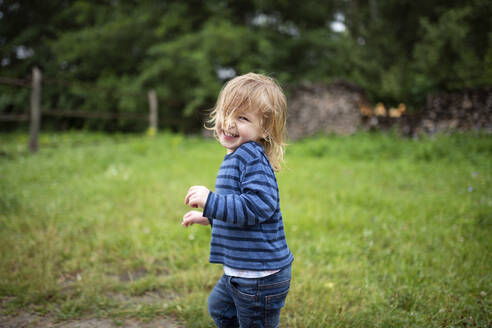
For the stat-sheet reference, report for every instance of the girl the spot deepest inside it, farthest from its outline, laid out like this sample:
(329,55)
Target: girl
(248,236)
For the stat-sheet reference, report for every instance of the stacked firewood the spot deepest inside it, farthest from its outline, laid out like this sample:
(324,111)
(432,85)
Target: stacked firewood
(459,111)
(321,108)
(467,110)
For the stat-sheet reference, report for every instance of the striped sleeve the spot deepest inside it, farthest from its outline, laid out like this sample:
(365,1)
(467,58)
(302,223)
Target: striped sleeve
(256,202)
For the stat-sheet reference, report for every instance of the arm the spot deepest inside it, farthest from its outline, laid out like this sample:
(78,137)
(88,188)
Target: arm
(257,202)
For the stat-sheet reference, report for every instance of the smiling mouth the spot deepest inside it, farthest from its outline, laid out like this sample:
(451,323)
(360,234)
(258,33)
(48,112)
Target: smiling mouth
(230,135)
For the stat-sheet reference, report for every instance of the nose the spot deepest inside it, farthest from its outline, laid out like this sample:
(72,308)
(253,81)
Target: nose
(230,124)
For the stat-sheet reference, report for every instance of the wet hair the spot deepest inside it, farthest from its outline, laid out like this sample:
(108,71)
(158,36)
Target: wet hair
(254,92)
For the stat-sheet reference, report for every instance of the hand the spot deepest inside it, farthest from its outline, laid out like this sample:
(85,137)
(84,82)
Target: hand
(197,196)
(193,217)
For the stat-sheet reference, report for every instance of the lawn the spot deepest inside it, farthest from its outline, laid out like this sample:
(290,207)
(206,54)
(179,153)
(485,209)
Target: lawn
(386,231)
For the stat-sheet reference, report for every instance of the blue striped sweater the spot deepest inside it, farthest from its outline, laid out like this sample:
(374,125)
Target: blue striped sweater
(247,227)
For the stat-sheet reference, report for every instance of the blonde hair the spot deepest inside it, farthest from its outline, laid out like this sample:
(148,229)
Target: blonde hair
(255,92)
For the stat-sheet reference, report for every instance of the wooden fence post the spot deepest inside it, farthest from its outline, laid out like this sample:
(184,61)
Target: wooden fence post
(152,96)
(35,110)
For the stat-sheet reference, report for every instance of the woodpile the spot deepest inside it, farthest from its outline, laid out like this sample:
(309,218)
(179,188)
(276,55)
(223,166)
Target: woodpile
(466,110)
(459,111)
(342,108)
(321,108)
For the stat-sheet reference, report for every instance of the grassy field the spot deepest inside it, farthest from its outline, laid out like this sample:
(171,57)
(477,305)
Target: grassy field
(386,232)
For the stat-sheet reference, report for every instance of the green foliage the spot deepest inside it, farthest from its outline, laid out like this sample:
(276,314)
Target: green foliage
(421,47)
(386,232)
(444,53)
(487,76)
(104,56)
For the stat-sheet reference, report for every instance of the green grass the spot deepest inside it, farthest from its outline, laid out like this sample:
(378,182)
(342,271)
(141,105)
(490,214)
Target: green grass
(386,232)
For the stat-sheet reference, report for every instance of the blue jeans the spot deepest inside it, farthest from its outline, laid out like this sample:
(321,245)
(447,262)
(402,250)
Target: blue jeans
(241,302)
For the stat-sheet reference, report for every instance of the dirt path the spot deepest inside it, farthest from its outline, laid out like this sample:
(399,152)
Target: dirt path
(28,320)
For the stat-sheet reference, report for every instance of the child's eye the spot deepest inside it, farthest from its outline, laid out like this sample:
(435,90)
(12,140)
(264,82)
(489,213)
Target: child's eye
(243,118)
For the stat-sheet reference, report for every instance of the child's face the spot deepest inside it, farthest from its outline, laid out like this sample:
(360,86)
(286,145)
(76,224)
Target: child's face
(243,127)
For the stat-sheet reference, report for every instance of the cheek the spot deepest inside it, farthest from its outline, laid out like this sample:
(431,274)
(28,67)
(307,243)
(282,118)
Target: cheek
(243,128)
(260,130)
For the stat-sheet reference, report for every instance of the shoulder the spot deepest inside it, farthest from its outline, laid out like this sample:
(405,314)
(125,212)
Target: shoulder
(245,155)
(249,153)
(256,170)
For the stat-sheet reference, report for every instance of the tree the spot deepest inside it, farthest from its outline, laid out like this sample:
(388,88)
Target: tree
(105,55)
